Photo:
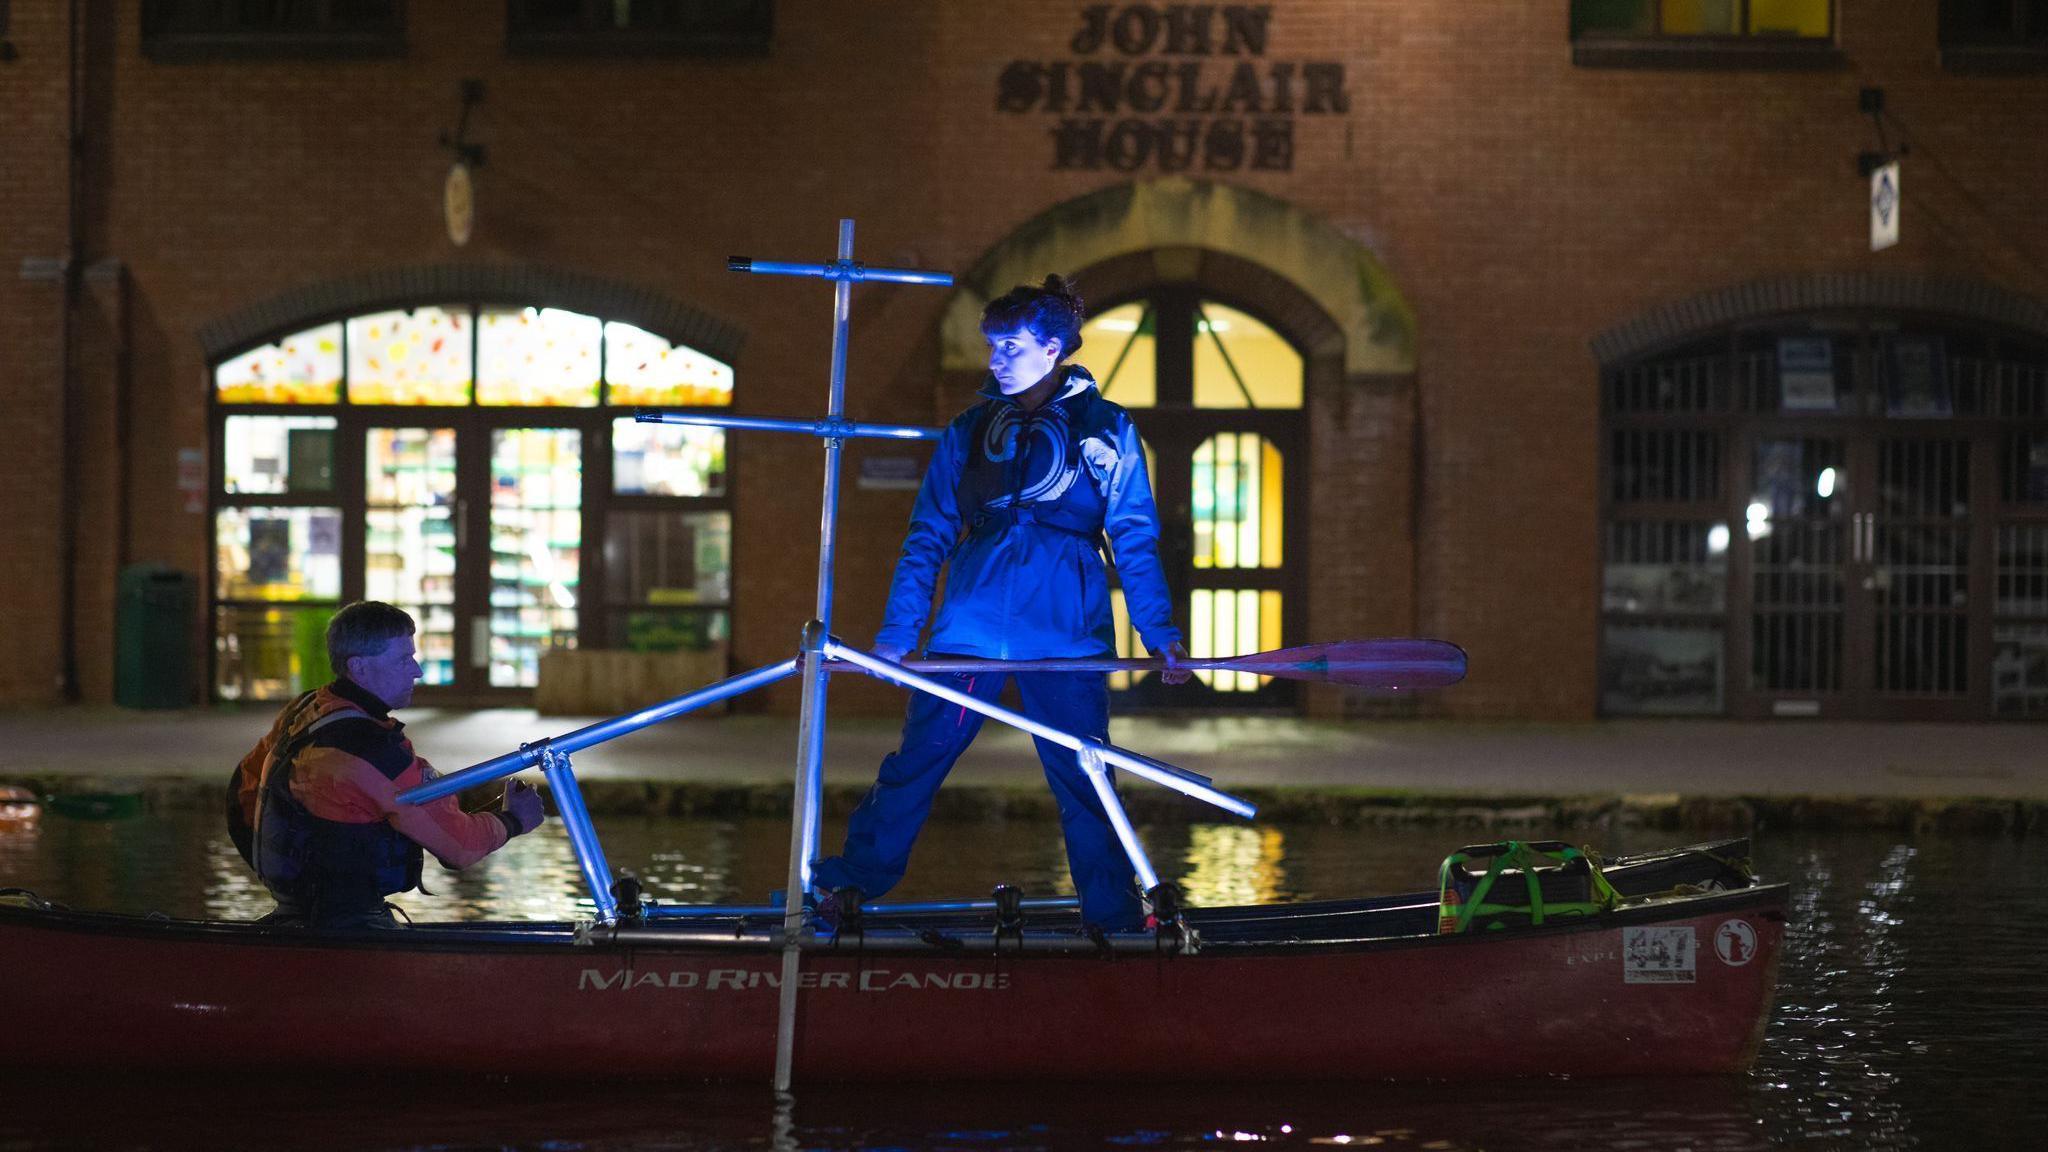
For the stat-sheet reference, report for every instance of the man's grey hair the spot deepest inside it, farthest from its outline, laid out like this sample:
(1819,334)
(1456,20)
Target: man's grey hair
(364,628)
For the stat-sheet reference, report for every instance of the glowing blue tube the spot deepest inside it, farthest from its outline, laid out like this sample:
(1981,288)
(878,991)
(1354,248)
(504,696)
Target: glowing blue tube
(1098,775)
(582,835)
(1184,782)
(529,755)
(704,911)
(846,429)
(842,269)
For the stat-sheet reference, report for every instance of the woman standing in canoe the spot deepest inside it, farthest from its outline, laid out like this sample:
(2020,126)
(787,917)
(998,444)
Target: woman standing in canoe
(1016,503)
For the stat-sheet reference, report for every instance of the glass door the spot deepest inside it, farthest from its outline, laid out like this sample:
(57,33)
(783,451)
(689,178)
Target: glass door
(535,529)
(413,531)
(1916,571)
(1217,394)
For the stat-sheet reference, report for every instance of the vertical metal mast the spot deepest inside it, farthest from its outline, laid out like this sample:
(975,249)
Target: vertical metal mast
(810,771)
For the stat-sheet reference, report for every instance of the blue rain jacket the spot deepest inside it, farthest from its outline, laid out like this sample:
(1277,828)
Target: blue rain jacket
(1016,505)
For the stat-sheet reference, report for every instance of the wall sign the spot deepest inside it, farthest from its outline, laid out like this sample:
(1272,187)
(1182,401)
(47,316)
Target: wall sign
(1174,87)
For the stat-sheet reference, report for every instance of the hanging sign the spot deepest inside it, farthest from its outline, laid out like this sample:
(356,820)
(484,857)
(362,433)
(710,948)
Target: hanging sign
(458,203)
(1884,207)
(1173,87)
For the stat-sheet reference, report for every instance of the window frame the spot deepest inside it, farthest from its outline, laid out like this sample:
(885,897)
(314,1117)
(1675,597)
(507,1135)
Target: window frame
(2018,49)
(178,31)
(750,33)
(1744,51)
(471,419)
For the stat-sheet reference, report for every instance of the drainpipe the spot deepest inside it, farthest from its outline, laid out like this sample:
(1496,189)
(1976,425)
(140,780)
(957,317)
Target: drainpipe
(69,416)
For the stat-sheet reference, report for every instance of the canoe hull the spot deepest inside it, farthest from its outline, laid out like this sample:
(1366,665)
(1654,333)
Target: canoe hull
(1677,988)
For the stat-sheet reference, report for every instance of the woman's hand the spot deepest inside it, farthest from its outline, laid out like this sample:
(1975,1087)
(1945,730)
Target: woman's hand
(1176,657)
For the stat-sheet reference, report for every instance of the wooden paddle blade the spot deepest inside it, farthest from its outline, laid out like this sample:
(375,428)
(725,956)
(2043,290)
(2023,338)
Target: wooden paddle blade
(1387,665)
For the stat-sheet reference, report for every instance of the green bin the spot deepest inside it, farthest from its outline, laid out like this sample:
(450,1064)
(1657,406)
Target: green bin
(153,637)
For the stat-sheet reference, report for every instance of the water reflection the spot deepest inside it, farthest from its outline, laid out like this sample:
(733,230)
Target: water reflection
(1230,864)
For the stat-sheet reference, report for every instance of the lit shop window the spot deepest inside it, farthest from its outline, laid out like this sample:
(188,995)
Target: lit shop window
(1236,490)
(644,370)
(669,579)
(536,546)
(278,553)
(667,459)
(278,455)
(409,536)
(270,651)
(1783,19)
(537,357)
(1120,346)
(304,368)
(1242,363)
(418,356)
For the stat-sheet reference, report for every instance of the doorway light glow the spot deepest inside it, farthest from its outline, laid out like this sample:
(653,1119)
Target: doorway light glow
(1759,520)
(1717,539)
(1826,484)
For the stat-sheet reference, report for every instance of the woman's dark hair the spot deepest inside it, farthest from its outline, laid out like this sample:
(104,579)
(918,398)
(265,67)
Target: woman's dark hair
(363,628)
(1051,311)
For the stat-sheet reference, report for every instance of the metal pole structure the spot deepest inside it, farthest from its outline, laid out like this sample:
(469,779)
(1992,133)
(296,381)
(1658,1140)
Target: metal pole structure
(823,428)
(803,830)
(1098,775)
(1178,779)
(561,780)
(532,755)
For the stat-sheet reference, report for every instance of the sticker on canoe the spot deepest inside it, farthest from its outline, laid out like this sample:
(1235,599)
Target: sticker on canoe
(1735,942)
(1657,955)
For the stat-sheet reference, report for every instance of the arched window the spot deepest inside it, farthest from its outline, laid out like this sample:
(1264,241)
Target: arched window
(460,460)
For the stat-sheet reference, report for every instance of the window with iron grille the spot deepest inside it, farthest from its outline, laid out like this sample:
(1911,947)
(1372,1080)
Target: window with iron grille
(1704,33)
(178,30)
(1994,35)
(639,27)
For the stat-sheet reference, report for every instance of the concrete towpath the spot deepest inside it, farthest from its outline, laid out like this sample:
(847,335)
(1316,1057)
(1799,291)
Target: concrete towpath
(1296,763)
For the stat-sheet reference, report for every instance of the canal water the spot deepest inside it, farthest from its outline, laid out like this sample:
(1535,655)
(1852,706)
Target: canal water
(1911,1011)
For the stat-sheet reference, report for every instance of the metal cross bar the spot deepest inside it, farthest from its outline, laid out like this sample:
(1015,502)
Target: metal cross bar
(845,429)
(531,755)
(843,269)
(1178,780)
(1098,775)
(713,911)
(597,873)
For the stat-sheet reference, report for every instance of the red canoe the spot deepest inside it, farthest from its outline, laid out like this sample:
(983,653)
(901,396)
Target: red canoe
(1677,980)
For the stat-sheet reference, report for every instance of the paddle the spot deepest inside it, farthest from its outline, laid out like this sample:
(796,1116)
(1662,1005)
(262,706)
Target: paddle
(1391,665)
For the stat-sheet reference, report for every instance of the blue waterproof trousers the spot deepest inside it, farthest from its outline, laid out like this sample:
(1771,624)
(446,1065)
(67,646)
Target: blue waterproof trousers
(935,733)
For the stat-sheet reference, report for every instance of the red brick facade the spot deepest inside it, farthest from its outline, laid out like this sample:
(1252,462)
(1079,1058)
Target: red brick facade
(1520,205)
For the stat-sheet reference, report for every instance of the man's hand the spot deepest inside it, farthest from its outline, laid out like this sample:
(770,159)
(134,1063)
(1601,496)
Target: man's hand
(893,653)
(1176,656)
(522,804)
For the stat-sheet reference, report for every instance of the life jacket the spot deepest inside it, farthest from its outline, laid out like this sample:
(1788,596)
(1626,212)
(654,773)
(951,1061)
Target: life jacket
(1026,468)
(323,868)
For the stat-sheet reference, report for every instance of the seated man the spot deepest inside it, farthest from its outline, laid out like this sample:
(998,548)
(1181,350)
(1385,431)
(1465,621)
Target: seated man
(314,807)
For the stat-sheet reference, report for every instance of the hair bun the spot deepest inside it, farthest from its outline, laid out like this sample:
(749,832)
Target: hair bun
(1058,285)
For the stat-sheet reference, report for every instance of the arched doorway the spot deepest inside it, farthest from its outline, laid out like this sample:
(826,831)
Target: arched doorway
(1832,502)
(1269,363)
(461,443)
(1219,398)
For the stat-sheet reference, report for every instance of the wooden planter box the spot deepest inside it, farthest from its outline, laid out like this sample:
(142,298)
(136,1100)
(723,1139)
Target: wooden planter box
(603,682)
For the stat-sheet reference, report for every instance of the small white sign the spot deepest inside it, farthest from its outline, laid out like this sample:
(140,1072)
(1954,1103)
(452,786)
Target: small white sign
(1658,955)
(1884,207)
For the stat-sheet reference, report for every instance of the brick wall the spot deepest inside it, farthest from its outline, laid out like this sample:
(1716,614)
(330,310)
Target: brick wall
(1521,204)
